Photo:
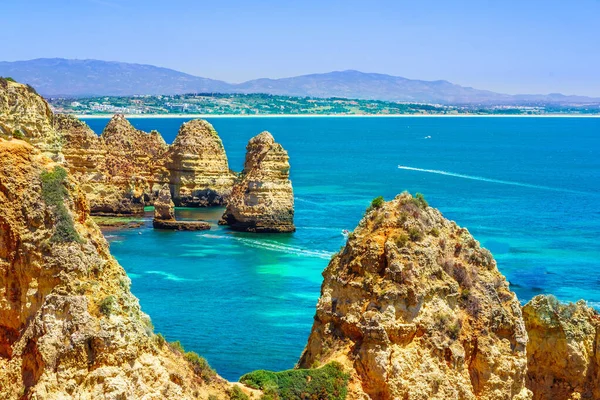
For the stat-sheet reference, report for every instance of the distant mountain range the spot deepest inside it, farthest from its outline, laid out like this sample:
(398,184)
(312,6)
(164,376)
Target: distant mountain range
(57,77)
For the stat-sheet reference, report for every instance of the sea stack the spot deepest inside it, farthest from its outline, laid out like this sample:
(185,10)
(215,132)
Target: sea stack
(164,214)
(415,308)
(262,199)
(70,328)
(198,169)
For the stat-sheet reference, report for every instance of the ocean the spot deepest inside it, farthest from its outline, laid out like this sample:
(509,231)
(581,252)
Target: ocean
(527,188)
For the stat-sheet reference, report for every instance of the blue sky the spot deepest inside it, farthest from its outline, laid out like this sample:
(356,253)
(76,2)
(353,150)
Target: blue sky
(526,46)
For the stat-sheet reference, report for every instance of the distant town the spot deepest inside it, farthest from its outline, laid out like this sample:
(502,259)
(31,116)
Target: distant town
(264,104)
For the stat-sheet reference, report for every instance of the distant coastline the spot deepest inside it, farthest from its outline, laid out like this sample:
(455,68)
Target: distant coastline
(204,116)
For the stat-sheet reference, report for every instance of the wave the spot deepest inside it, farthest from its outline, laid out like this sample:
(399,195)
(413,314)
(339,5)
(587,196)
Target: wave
(314,203)
(169,276)
(275,246)
(483,179)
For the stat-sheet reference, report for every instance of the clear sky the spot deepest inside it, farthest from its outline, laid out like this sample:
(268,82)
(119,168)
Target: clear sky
(525,46)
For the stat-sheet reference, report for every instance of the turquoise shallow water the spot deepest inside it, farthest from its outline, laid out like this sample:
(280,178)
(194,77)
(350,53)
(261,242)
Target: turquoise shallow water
(526,188)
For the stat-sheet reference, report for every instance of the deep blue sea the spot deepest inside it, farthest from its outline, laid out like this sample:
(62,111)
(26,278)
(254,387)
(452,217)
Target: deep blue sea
(527,188)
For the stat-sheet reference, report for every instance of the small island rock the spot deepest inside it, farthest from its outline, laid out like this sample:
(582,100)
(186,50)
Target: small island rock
(262,199)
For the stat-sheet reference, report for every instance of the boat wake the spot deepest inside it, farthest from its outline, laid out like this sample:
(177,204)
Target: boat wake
(483,179)
(274,246)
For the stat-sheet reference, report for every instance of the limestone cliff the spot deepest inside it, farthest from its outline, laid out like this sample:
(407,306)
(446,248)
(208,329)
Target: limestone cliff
(86,159)
(416,309)
(198,169)
(24,114)
(124,169)
(69,325)
(262,199)
(131,157)
(563,351)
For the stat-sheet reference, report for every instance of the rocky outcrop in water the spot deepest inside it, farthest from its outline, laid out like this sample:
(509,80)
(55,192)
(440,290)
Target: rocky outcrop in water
(563,350)
(164,215)
(415,308)
(198,169)
(262,198)
(69,325)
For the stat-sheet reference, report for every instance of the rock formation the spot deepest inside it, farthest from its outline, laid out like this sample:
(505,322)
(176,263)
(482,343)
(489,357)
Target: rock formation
(123,170)
(25,114)
(164,214)
(563,351)
(69,325)
(198,169)
(416,309)
(262,199)
(164,208)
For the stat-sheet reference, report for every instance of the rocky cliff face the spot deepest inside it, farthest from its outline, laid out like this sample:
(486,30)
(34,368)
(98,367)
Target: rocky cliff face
(563,350)
(416,309)
(69,325)
(198,169)
(262,199)
(24,114)
(130,162)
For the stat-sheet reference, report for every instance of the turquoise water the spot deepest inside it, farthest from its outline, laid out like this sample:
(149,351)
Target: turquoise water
(527,188)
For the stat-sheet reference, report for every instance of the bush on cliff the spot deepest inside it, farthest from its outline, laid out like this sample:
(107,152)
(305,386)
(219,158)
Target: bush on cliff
(376,203)
(199,364)
(17,134)
(237,394)
(54,192)
(327,383)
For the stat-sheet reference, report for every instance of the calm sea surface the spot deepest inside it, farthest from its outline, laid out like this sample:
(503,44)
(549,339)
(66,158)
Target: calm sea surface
(527,188)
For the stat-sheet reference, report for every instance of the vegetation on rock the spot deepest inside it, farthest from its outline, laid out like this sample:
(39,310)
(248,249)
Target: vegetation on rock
(54,193)
(326,383)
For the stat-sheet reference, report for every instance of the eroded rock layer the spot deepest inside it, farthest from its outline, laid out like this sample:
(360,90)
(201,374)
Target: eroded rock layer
(25,114)
(262,199)
(69,325)
(563,351)
(418,310)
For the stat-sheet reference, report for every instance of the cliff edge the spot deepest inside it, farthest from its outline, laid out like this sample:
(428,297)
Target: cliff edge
(415,308)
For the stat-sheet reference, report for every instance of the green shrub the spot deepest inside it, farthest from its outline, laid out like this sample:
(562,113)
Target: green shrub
(54,192)
(160,340)
(237,394)
(401,240)
(326,383)
(17,134)
(377,202)
(201,367)
(415,234)
(176,346)
(434,232)
(8,78)
(421,202)
(107,305)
